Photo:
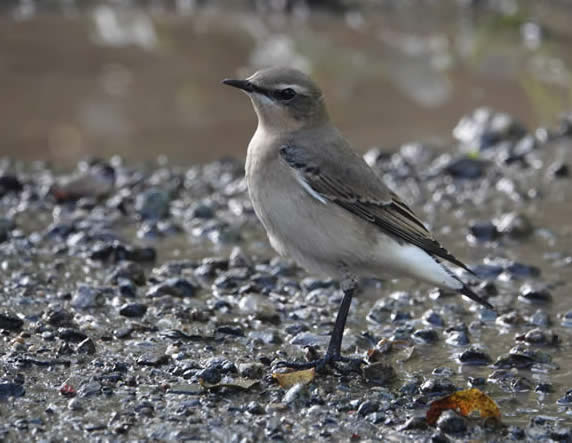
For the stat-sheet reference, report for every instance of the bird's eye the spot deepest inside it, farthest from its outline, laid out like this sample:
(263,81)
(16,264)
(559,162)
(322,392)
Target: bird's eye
(285,94)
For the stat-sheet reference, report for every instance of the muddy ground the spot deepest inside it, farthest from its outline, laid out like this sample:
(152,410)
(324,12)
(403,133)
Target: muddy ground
(143,302)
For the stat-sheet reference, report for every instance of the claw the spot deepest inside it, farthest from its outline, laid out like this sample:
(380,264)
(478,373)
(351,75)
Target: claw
(322,363)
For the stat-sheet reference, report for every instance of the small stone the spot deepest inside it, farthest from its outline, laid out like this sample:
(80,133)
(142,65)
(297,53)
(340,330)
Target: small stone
(443,371)
(296,393)
(483,231)
(474,356)
(540,318)
(367,407)
(71,335)
(437,387)
(433,318)
(59,317)
(128,271)
(427,335)
(153,359)
(153,204)
(487,271)
(514,225)
(230,330)
(10,183)
(559,170)
(544,388)
(87,347)
(521,270)
(253,371)
(10,321)
(451,423)
(133,310)
(566,400)
(534,294)
(567,319)
(11,390)
(255,408)
(466,168)
(379,374)
(86,297)
(177,287)
(309,339)
(414,424)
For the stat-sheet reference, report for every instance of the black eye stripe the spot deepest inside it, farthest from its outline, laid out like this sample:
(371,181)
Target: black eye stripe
(279,94)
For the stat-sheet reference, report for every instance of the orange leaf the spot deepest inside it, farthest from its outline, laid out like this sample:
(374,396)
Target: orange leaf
(464,402)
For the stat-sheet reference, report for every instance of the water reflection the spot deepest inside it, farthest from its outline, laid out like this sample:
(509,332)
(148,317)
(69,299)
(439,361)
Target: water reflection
(99,78)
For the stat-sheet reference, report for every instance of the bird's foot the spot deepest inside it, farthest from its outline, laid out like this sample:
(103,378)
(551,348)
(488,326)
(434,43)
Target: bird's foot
(329,360)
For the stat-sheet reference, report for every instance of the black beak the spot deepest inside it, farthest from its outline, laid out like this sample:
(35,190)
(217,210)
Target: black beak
(245,85)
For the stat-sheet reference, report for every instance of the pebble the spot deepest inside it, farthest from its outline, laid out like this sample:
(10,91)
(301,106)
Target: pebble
(9,321)
(177,287)
(534,294)
(450,422)
(133,310)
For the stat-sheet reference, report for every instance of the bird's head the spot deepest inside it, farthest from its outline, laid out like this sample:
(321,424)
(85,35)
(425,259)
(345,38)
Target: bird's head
(284,99)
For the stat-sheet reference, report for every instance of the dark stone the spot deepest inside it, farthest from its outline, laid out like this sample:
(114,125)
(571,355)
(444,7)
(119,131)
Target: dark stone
(10,183)
(367,407)
(86,347)
(566,400)
(255,408)
(433,318)
(437,387)
(487,271)
(177,287)
(378,373)
(516,226)
(71,335)
(400,316)
(10,321)
(414,424)
(466,168)
(133,310)
(210,375)
(59,317)
(128,271)
(544,388)
(474,357)
(153,204)
(514,432)
(559,170)
(523,271)
(484,231)
(451,423)
(427,335)
(230,330)
(11,390)
(153,359)
(534,294)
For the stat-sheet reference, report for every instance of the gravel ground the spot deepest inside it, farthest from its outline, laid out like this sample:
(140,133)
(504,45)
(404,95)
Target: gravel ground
(144,303)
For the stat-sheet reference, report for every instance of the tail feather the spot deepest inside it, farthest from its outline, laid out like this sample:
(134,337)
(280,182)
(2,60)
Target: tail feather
(467,292)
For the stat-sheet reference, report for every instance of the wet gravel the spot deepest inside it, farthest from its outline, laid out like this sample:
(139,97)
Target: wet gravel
(143,302)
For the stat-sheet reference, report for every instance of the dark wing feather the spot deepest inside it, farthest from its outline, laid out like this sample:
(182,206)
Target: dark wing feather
(387,211)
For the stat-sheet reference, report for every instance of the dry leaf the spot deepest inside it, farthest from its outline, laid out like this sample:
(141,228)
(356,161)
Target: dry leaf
(235,383)
(464,402)
(288,379)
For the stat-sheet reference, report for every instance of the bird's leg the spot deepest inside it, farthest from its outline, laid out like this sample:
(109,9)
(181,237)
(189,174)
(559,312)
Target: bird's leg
(333,354)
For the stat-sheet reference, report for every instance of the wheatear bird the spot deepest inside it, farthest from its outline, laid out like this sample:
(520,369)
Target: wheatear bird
(322,205)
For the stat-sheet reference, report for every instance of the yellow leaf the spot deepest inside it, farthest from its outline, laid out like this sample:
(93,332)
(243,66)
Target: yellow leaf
(289,379)
(464,402)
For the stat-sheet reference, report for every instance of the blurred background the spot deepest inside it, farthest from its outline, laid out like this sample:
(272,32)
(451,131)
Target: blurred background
(142,78)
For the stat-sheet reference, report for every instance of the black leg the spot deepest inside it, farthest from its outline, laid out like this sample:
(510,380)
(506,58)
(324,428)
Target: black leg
(333,354)
(335,345)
